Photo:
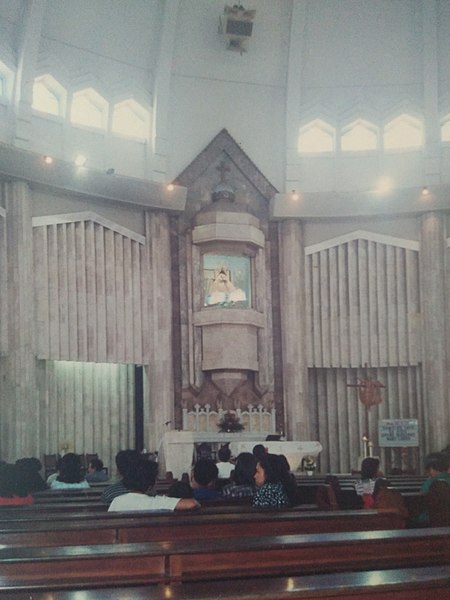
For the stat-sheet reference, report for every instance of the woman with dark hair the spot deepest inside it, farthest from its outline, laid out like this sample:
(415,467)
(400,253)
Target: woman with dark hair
(242,483)
(273,483)
(70,476)
(13,491)
(28,472)
(370,470)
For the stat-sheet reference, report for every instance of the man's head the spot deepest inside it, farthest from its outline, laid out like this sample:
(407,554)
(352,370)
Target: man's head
(436,463)
(124,458)
(140,476)
(205,473)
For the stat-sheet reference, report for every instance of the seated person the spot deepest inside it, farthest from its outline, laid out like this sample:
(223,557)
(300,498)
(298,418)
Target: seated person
(28,471)
(370,470)
(273,484)
(242,483)
(436,467)
(13,490)
(95,472)
(224,465)
(124,458)
(70,475)
(204,478)
(180,489)
(259,451)
(387,497)
(139,479)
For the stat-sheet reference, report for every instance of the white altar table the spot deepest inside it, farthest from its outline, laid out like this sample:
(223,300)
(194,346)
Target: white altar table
(177,448)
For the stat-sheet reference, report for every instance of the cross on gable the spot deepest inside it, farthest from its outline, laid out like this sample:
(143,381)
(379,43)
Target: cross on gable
(223,169)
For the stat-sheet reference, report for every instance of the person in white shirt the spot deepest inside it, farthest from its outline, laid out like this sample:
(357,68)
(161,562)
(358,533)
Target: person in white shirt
(139,479)
(224,465)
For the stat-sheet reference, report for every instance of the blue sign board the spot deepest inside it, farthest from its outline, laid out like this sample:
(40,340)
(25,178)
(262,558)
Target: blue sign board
(398,433)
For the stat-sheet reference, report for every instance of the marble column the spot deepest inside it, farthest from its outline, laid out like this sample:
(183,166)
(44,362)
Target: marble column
(436,354)
(292,308)
(20,404)
(159,389)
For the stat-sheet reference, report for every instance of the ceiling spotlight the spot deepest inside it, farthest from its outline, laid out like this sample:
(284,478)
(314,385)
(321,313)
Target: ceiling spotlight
(295,196)
(48,160)
(110,171)
(170,187)
(425,191)
(80,160)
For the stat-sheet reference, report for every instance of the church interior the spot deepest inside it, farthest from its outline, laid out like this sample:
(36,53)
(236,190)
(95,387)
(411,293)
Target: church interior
(211,210)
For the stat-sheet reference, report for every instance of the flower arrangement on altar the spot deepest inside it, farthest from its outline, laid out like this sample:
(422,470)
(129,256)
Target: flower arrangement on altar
(230,423)
(308,464)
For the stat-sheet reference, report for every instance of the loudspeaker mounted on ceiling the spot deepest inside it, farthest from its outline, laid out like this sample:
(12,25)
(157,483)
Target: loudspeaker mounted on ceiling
(236,24)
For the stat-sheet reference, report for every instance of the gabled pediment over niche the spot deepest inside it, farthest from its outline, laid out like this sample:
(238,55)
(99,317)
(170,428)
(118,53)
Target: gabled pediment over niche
(224,162)
(88,216)
(368,236)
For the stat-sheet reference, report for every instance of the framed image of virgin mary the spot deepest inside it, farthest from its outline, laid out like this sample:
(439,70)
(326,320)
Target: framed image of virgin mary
(227,281)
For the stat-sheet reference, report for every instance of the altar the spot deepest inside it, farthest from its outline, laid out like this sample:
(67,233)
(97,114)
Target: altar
(177,448)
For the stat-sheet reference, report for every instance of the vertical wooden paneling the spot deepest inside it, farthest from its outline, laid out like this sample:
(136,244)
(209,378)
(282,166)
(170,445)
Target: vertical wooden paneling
(402,333)
(63,292)
(99,307)
(333,421)
(110,296)
(119,299)
(128,295)
(382,305)
(392,317)
(325,308)
(372,303)
(53,291)
(72,308)
(363,300)
(334,307)
(309,337)
(40,250)
(81,276)
(343,306)
(317,328)
(90,294)
(3,286)
(353,302)
(412,306)
(137,303)
(87,406)
(342,420)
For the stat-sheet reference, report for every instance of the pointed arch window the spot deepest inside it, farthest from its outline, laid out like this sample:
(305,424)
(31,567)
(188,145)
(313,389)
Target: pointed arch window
(445,129)
(316,137)
(49,96)
(403,133)
(359,136)
(130,119)
(89,109)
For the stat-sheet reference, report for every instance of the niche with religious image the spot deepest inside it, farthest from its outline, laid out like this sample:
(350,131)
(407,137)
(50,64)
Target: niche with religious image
(227,281)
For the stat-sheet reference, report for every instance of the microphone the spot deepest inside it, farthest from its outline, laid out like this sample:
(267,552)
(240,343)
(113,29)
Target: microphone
(167,422)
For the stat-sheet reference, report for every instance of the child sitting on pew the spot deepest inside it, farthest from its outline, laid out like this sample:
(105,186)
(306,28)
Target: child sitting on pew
(139,479)
(204,479)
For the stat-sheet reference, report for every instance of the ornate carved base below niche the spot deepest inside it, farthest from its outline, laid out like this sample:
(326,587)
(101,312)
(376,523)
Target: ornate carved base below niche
(227,390)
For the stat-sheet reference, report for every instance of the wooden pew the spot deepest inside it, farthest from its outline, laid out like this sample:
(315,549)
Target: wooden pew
(205,560)
(419,583)
(148,527)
